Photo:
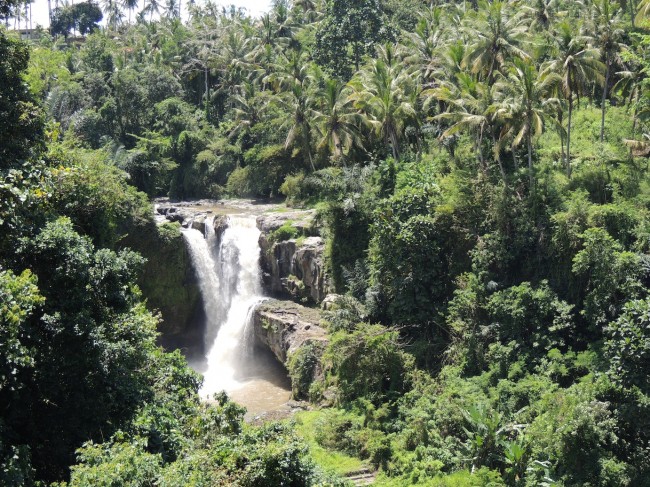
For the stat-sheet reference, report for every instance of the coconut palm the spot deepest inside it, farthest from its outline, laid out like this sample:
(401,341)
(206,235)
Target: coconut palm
(130,5)
(426,44)
(247,111)
(471,106)
(114,14)
(381,94)
(500,29)
(151,7)
(173,9)
(299,102)
(630,86)
(608,32)
(525,106)
(335,119)
(578,65)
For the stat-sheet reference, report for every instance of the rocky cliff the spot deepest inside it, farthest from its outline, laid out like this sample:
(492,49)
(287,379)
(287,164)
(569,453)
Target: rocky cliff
(284,326)
(169,284)
(292,256)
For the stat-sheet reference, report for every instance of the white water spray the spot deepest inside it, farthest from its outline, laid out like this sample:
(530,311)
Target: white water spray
(229,278)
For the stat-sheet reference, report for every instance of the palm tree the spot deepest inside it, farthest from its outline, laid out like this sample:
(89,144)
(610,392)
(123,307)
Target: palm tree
(630,86)
(608,31)
(426,43)
(381,93)
(542,13)
(578,65)
(525,106)
(130,5)
(499,33)
(113,13)
(309,9)
(247,111)
(172,9)
(335,120)
(152,6)
(299,102)
(471,106)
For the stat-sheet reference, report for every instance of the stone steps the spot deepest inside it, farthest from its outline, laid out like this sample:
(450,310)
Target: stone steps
(361,477)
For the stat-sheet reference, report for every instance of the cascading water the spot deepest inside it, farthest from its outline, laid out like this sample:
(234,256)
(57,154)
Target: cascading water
(229,277)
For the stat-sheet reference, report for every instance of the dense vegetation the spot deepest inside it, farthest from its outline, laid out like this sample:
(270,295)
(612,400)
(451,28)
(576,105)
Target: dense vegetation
(481,175)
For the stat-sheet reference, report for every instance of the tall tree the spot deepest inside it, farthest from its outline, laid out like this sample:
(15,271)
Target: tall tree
(499,29)
(608,32)
(299,103)
(130,5)
(335,119)
(381,92)
(578,65)
(470,106)
(348,32)
(20,120)
(526,106)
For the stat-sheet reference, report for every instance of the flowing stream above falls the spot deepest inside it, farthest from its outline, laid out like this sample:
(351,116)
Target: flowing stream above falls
(228,272)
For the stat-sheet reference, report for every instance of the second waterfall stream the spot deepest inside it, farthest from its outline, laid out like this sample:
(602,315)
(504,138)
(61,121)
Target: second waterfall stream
(228,272)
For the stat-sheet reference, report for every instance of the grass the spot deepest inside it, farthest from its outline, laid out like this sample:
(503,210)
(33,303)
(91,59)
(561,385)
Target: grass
(332,461)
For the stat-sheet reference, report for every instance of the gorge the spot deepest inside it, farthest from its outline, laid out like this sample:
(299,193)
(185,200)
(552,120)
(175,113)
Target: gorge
(246,336)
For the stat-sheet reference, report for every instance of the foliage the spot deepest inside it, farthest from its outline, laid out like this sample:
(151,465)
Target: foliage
(367,363)
(83,17)
(347,33)
(303,367)
(21,123)
(628,345)
(479,172)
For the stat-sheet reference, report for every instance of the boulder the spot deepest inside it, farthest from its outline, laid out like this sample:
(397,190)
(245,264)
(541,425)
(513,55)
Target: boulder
(220,224)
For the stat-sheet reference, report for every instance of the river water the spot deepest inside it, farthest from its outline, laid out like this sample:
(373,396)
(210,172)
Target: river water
(229,278)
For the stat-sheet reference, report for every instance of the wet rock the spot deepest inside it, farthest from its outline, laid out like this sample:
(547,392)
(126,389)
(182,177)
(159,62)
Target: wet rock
(220,224)
(198,223)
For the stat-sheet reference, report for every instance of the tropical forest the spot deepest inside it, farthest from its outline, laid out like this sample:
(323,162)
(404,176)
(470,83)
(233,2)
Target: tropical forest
(338,243)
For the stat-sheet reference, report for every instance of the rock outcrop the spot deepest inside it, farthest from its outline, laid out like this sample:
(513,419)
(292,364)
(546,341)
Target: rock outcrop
(284,326)
(169,284)
(294,267)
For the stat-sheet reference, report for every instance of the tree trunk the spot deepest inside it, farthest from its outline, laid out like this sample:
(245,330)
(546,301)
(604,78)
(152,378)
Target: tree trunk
(499,162)
(568,138)
(355,48)
(393,142)
(206,105)
(531,176)
(560,119)
(480,149)
(604,100)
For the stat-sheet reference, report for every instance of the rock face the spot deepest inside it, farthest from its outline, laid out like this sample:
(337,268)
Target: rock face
(283,327)
(169,284)
(293,268)
(301,220)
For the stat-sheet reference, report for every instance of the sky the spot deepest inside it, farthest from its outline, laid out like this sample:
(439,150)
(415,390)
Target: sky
(254,7)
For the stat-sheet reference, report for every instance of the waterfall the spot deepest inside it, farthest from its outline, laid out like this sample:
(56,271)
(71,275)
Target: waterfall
(229,278)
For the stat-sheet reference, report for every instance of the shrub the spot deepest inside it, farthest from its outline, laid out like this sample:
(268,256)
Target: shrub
(238,182)
(303,365)
(368,362)
(292,187)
